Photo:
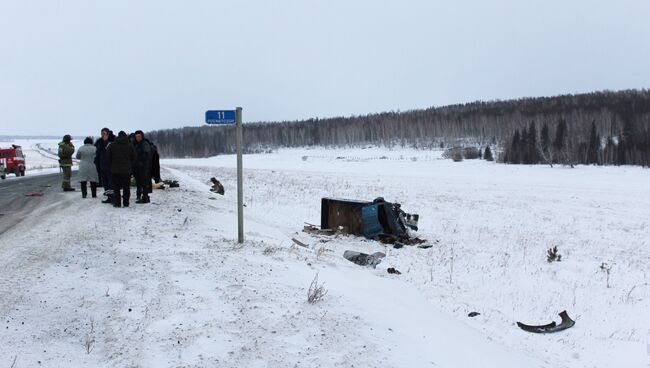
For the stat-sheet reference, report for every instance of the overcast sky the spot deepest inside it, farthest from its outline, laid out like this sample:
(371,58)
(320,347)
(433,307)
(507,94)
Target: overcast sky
(74,66)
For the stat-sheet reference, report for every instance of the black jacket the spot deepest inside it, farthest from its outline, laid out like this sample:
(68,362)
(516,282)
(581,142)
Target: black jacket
(143,155)
(101,160)
(121,155)
(155,163)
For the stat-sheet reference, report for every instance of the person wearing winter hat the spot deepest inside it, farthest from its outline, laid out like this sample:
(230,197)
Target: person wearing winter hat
(142,168)
(66,149)
(121,156)
(107,137)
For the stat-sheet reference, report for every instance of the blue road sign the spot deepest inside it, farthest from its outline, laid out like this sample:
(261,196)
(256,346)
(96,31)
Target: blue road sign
(220,117)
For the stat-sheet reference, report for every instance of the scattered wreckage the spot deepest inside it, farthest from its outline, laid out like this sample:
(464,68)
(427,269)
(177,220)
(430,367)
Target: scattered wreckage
(377,220)
(387,223)
(165,184)
(363,259)
(217,187)
(567,322)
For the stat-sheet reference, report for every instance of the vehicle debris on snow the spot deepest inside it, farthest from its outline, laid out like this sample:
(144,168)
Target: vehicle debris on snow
(393,270)
(163,184)
(298,242)
(171,183)
(363,259)
(378,220)
(217,187)
(567,322)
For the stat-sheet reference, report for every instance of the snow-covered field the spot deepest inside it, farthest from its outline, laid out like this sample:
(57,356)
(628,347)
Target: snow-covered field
(166,285)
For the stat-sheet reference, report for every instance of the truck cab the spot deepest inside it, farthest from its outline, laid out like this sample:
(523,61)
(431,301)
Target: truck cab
(12,161)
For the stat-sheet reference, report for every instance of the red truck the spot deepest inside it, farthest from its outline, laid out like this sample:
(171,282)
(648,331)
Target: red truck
(12,161)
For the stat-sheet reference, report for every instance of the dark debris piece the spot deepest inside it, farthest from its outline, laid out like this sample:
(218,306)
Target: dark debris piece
(171,183)
(394,271)
(567,322)
(363,259)
(217,187)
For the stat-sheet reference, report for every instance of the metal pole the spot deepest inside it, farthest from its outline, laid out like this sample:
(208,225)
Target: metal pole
(240,179)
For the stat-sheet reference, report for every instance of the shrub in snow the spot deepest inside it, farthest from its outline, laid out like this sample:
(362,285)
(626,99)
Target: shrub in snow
(552,255)
(316,292)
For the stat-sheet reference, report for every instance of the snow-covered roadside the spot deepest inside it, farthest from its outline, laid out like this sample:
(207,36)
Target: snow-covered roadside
(494,224)
(166,285)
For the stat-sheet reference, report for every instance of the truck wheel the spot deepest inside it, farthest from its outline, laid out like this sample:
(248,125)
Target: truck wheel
(17,172)
(22,172)
(3,176)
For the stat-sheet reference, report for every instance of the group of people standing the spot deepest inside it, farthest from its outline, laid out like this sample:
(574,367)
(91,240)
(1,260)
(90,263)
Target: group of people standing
(110,162)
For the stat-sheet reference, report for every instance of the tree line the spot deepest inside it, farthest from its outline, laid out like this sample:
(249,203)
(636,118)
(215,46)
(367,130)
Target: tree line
(628,146)
(620,120)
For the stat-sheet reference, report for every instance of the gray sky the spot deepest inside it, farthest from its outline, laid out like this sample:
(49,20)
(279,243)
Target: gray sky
(74,66)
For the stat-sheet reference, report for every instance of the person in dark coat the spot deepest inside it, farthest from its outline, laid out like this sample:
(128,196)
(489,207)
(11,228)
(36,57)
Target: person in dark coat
(142,168)
(121,156)
(107,137)
(66,149)
(155,163)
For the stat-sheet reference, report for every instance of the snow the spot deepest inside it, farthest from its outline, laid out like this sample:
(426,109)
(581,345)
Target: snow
(166,284)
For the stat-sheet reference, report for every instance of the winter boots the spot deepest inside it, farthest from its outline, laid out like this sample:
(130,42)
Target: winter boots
(84,189)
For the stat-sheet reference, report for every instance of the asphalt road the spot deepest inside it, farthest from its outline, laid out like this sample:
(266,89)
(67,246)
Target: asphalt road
(17,202)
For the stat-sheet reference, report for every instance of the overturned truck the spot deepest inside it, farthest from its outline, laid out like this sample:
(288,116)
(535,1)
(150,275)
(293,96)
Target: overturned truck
(379,220)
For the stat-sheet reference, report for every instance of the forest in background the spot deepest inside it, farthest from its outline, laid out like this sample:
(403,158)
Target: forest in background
(620,121)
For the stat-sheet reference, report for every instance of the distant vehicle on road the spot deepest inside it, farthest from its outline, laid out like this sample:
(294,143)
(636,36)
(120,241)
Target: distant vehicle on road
(12,161)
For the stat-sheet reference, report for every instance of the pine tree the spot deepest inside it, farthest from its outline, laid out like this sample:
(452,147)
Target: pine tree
(523,147)
(629,134)
(488,154)
(647,148)
(560,136)
(559,144)
(533,153)
(515,153)
(620,152)
(594,146)
(629,140)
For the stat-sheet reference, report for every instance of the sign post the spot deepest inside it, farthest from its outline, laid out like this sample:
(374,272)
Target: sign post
(240,179)
(228,117)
